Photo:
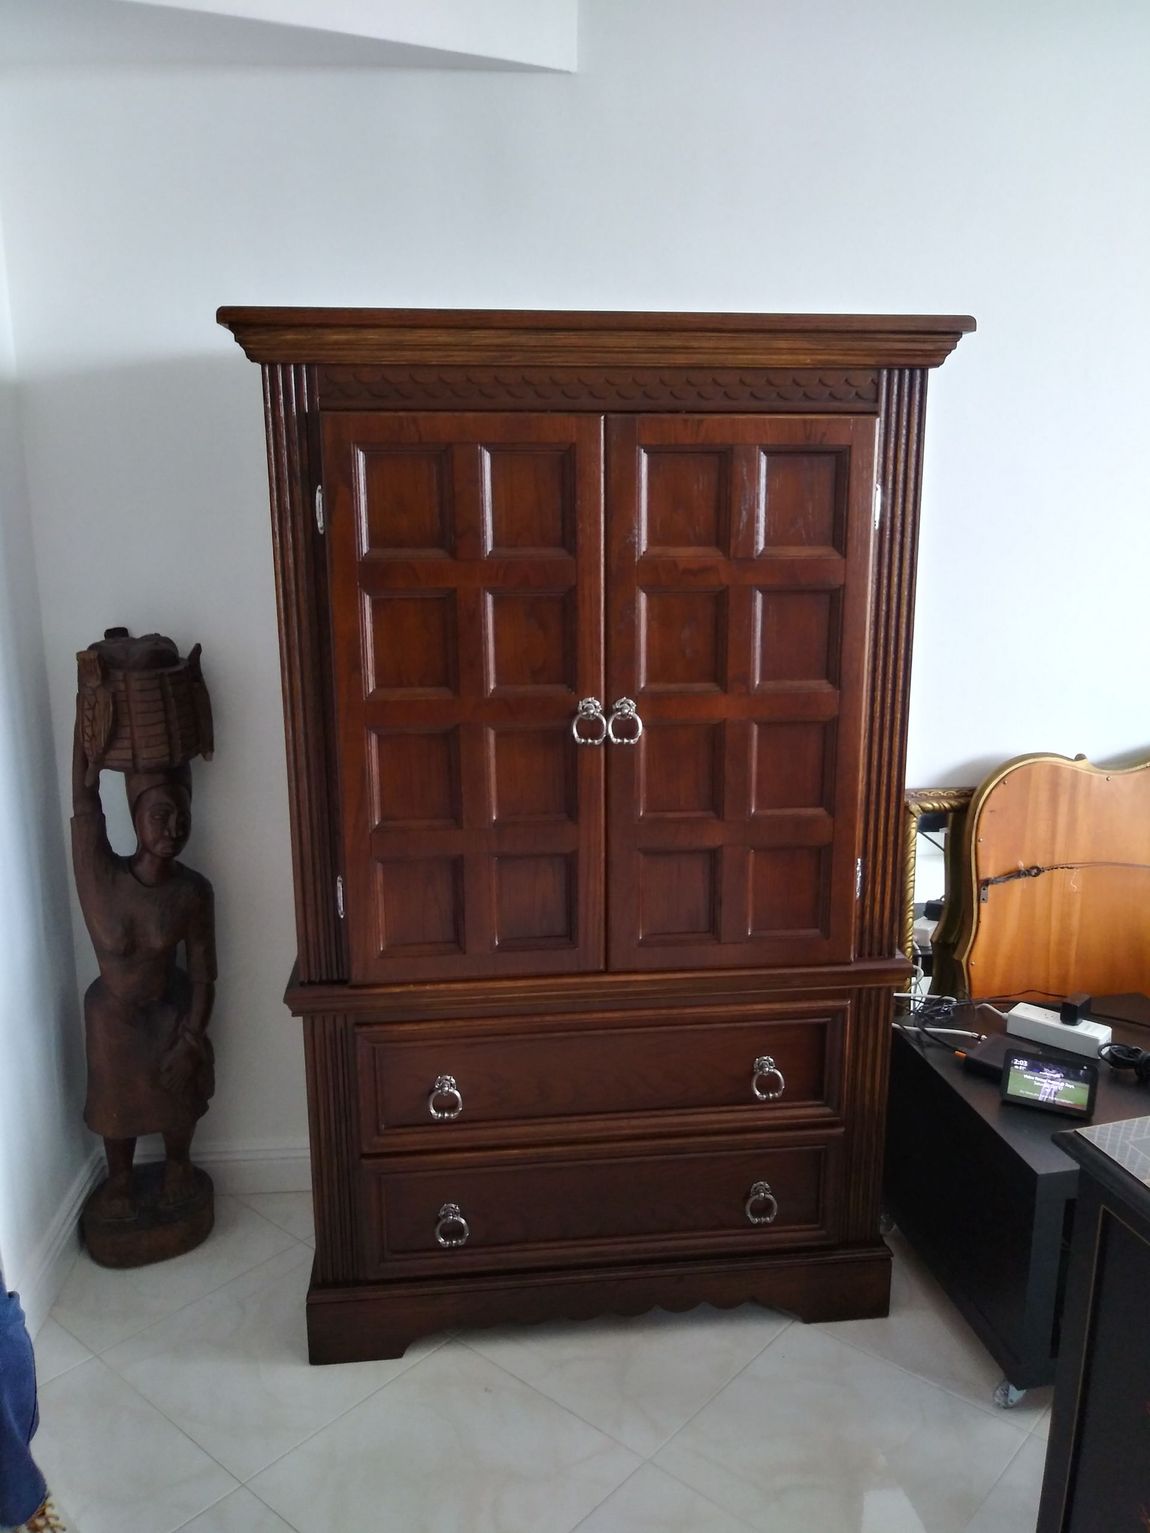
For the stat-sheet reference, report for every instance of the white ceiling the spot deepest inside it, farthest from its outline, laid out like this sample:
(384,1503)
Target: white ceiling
(397,34)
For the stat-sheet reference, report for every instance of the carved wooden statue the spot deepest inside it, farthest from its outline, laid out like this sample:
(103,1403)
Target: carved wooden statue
(144,711)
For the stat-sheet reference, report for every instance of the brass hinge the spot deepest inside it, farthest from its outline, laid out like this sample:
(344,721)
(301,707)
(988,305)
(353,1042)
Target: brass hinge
(877,506)
(320,521)
(339,895)
(858,878)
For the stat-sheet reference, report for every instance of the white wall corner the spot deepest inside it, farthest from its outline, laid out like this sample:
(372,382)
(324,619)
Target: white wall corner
(533,34)
(48,1267)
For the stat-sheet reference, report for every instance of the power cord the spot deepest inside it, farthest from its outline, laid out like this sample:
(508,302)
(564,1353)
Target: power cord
(927,1012)
(1125,1056)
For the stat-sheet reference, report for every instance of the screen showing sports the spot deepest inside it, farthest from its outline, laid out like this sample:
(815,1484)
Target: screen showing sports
(1047,1083)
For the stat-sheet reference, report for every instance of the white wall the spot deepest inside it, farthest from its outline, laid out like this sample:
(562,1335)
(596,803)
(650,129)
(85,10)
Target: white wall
(969,156)
(45,1152)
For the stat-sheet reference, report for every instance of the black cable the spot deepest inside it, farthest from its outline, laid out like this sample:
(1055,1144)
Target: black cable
(1125,1056)
(936,1009)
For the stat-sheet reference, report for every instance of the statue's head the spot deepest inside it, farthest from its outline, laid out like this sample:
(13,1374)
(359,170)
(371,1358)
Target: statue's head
(161,805)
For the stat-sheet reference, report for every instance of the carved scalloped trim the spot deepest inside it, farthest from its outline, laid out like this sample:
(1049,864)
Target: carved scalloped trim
(633,388)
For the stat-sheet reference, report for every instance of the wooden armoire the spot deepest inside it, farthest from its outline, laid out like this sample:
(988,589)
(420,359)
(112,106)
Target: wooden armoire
(595,638)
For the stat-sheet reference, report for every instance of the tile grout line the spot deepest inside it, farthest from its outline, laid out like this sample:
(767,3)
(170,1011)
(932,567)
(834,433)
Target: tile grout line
(99,1352)
(644,1457)
(371,1395)
(702,1495)
(994,1412)
(148,1405)
(998,1481)
(782,1331)
(160,1320)
(543,1395)
(715,1393)
(243,1198)
(574,1528)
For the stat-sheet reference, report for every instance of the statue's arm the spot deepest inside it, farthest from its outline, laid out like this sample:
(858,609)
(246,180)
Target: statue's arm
(189,1046)
(200,945)
(92,857)
(85,798)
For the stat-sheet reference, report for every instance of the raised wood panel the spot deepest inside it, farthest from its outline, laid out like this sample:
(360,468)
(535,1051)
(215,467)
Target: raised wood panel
(531,495)
(413,645)
(553,1207)
(466,571)
(682,641)
(792,767)
(681,771)
(415,777)
(796,637)
(404,502)
(685,502)
(802,501)
(531,641)
(533,775)
(738,623)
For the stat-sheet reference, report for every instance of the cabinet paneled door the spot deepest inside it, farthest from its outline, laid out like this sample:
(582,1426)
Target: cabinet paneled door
(594,634)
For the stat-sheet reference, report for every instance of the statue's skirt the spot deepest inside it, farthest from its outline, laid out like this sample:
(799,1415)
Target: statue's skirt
(126,1045)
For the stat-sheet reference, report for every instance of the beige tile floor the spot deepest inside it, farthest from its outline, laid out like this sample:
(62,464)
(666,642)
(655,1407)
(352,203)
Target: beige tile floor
(179,1397)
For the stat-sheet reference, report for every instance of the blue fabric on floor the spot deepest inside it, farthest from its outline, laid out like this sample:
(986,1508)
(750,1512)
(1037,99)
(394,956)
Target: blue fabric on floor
(22,1488)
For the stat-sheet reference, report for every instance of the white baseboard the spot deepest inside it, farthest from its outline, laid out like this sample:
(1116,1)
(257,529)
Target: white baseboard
(52,1261)
(237,1169)
(256,1168)
(243,1168)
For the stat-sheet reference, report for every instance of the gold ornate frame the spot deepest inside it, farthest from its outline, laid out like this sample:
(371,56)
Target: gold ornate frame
(919,801)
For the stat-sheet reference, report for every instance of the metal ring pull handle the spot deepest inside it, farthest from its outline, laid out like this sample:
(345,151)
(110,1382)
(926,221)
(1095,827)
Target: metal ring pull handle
(761,1197)
(589,711)
(624,711)
(445,1087)
(765,1068)
(450,1217)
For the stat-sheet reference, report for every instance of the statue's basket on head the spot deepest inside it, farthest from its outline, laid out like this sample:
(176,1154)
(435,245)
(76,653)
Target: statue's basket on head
(142,707)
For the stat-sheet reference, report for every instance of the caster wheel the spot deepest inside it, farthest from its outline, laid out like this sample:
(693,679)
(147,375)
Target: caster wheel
(1006,1397)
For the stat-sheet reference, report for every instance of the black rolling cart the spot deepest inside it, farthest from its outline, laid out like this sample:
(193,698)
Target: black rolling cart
(986,1196)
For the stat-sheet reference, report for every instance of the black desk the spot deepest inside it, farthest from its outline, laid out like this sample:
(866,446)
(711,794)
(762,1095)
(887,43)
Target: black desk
(1098,1462)
(987,1199)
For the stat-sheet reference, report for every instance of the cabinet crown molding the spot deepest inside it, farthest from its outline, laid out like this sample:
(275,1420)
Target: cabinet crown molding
(506,337)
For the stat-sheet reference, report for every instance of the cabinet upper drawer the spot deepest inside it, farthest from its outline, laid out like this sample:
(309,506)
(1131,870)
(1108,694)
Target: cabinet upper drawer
(773,1064)
(448,1214)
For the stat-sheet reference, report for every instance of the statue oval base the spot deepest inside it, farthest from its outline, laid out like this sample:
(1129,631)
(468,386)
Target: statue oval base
(158,1231)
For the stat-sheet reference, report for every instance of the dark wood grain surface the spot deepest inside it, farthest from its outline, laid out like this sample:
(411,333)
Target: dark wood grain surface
(714,518)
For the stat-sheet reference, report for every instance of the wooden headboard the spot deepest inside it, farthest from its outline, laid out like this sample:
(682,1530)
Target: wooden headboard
(1054,862)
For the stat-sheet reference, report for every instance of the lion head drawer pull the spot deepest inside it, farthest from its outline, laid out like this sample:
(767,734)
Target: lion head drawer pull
(766,1071)
(761,1206)
(589,712)
(453,1229)
(624,712)
(445,1089)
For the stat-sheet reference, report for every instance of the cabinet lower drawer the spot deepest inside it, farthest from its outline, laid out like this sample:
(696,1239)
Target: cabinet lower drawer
(452,1213)
(778,1062)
